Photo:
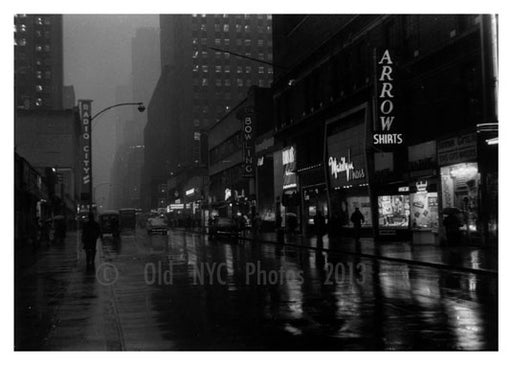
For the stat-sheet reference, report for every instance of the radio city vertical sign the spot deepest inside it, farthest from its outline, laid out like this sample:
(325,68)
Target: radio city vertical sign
(248,147)
(85,150)
(385,128)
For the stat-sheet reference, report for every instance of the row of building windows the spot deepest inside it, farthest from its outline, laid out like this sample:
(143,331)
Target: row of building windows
(228,82)
(227,69)
(237,16)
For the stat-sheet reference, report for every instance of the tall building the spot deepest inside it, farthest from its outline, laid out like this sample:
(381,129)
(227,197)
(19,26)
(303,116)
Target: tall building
(145,72)
(212,60)
(38,61)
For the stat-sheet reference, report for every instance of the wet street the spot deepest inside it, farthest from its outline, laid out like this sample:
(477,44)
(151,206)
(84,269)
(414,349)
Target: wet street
(185,292)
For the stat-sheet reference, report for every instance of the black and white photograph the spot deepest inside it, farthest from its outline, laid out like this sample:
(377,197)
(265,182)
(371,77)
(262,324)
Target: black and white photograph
(254,181)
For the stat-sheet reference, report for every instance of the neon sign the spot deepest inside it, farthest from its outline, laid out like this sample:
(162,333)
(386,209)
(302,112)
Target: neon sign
(345,165)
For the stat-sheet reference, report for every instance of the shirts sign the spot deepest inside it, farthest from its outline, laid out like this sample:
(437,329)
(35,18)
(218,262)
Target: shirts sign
(385,132)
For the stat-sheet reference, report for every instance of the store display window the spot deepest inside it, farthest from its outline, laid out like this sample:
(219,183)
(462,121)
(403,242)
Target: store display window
(349,206)
(424,211)
(394,211)
(459,185)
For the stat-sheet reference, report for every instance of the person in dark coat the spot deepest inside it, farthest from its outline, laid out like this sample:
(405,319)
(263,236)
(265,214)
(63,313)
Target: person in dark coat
(452,224)
(357,218)
(319,222)
(90,234)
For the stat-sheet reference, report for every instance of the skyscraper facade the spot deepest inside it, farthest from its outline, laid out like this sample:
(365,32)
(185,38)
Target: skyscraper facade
(38,61)
(212,60)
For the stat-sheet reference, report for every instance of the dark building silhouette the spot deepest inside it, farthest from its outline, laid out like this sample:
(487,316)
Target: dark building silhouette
(344,76)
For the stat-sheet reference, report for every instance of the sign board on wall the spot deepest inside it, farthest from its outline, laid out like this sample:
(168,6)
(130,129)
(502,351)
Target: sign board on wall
(85,151)
(248,135)
(346,163)
(457,149)
(289,165)
(386,131)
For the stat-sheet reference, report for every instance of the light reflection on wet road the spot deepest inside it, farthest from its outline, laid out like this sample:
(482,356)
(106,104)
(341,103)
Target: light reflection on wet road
(201,294)
(183,291)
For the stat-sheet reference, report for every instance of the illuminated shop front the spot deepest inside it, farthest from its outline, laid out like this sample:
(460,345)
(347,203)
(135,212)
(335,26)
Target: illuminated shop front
(394,212)
(424,183)
(460,183)
(346,168)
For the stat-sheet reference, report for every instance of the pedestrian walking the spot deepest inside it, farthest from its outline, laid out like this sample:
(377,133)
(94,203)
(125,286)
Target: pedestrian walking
(319,222)
(90,234)
(452,226)
(357,218)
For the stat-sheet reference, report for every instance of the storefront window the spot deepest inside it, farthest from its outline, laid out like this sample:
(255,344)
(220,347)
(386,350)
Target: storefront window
(424,211)
(349,206)
(459,185)
(394,211)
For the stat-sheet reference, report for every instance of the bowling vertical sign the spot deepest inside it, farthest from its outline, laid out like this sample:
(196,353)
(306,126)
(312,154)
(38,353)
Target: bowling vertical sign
(85,152)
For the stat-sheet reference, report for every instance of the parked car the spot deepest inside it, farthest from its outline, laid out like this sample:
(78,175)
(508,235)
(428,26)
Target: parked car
(157,225)
(222,225)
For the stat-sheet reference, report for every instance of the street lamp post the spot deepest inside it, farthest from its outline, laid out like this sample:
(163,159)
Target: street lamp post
(87,135)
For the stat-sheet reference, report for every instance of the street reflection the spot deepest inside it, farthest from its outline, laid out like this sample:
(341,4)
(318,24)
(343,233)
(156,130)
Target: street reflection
(256,295)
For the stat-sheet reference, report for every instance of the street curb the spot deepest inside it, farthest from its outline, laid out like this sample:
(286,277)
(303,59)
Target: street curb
(376,257)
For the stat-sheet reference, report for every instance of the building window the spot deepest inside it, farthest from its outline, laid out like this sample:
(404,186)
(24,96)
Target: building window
(226,41)
(204,41)
(248,82)
(39,48)
(195,54)
(218,69)
(226,27)
(39,102)
(260,42)
(238,42)
(227,82)
(205,68)
(218,82)
(217,42)
(261,83)
(22,42)
(204,54)
(47,21)
(39,21)
(194,41)
(238,28)
(47,75)
(260,29)
(261,56)
(203,27)
(227,69)
(270,71)
(39,74)
(269,28)
(217,27)
(247,42)
(39,88)
(195,68)
(204,82)
(269,17)
(47,48)
(217,54)
(240,82)
(247,69)
(239,69)
(226,55)
(247,28)
(261,70)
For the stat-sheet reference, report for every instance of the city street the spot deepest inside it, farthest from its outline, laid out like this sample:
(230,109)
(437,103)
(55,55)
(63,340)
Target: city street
(185,292)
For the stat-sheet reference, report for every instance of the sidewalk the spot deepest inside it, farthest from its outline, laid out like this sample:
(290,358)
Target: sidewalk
(59,305)
(463,258)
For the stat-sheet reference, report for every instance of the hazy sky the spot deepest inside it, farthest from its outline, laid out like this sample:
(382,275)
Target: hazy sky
(97,59)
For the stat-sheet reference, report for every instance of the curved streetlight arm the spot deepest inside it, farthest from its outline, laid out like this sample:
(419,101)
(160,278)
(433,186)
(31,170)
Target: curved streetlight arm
(140,104)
